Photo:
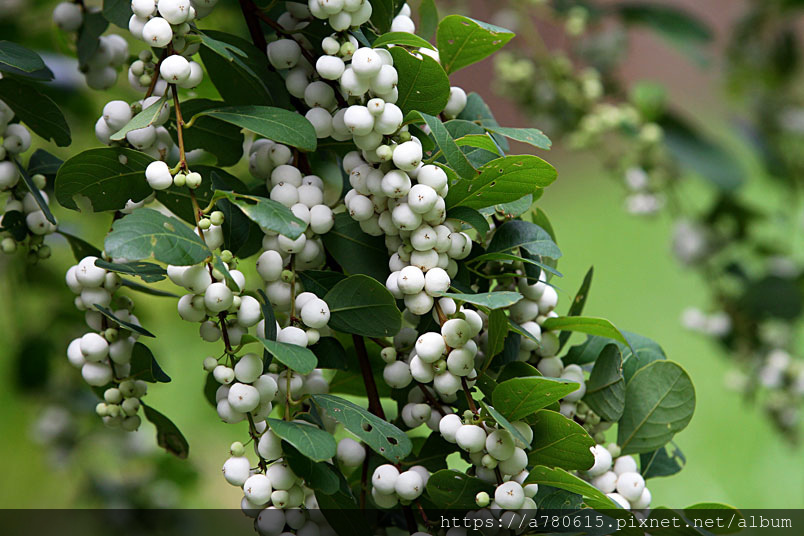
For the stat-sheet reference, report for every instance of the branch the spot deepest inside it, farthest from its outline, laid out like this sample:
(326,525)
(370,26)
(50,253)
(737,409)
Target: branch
(375,406)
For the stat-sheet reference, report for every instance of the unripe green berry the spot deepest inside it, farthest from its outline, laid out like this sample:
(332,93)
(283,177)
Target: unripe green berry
(287,276)
(39,180)
(403,137)
(127,387)
(179,179)
(204,224)
(145,80)
(130,406)
(113,395)
(347,50)
(216,217)
(210,363)
(385,153)
(44,252)
(102,409)
(237,449)
(113,410)
(227,256)
(35,240)
(193,180)
(217,274)
(145,55)
(482,499)
(440,366)
(111,334)
(8,245)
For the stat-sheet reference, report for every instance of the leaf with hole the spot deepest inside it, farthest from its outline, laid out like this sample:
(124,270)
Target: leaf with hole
(383,437)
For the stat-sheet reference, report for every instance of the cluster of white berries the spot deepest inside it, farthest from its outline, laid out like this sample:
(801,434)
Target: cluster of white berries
(16,139)
(389,486)
(618,477)
(341,14)
(304,196)
(104,353)
(154,139)
(101,68)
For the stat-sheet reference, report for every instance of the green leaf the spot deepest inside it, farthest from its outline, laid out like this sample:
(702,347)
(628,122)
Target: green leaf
(14,223)
(297,358)
(401,38)
(432,454)
(267,213)
(268,315)
(523,234)
(584,324)
(517,369)
(37,195)
(80,248)
(646,352)
(222,139)
(144,366)
(118,12)
(451,489)
(505,423)
(147,271)
(240,72)
(312,442)
(145,118)
(491,300)
(661,463)
(319,282)
(428,19)
(92,28)
(477,111)
(531,136)
(498,330)
(123,323)
(16,59)
(362,306)
(701,155)
(516,258)
(480,141)
(355,251)
(605,390)
(103,179)
(452,153)
(383,12)
(44,163)
(559,478)
(520,397)
(319,476)
(133,285)
(36,110)
(560,442)
(501,181)
(679,27)
(472,217)
(276,124)
(578,304)
(383,437)
(168,435)
(659,402)
(330,353)
(423,84)
(463,41)
(339,510)
(148,233)
(221,266)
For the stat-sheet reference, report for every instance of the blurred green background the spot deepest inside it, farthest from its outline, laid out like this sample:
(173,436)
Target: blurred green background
(733,456)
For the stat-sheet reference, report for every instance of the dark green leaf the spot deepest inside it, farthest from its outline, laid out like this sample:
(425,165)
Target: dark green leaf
(455,490)
(401,38)
(221,266)
(44,163)
(314,443)
(268,316)
(433,453)
(118,12)
(498,330)
(168,435)
(584,324)
(16,59)
(491,300)
(661,463)
(505,423)
(383,437)
(36,110)
(517,369)
(148,233)
(80,247)
(277,124)
(37,195)
(144,366)
(123,323)
(578,303)
(355,251)
(478,112)
(560,442)
(712,516)
(103,179)
(14,224)
(523,234)
(605,390)
(423,84)
(463,41)
(297,358)
(147,271)
(362,306)
(330,353)
(659,402)
(383,12)
(452,153)
(267,213)
(222,139)
(520,397)
(93,27)
(319,282)
(319,476)
(559,478)
(428,19)
(502,180)
(133,285)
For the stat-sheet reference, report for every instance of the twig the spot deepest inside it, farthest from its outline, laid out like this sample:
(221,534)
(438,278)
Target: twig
(375,406)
